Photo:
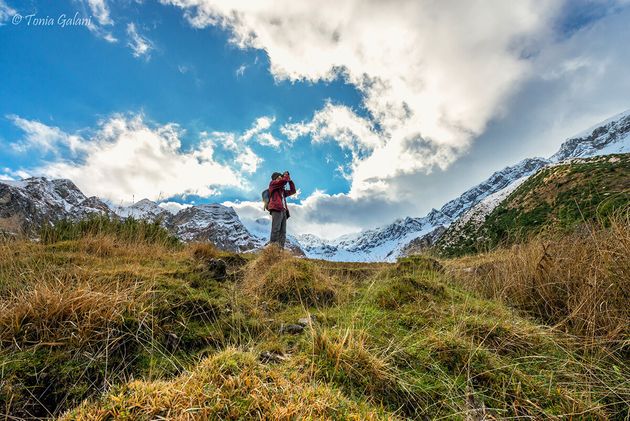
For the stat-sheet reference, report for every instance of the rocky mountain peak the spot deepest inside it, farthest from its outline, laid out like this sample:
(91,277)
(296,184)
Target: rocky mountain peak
(610,136)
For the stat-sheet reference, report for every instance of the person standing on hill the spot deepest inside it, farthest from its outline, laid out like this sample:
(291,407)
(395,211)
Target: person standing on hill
(278,206)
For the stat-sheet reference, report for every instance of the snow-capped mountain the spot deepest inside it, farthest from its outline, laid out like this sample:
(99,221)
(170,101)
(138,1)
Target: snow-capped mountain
(608,137)
(144,209)
(373,245)
(497,181)
(402,236)
(478,213)
(28,204)
(389,242)
(214,223)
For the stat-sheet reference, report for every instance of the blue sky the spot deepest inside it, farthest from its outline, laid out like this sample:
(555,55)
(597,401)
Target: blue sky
(379,109)
(71,79)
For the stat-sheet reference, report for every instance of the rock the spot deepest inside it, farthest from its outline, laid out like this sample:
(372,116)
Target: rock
(305,321)
(172,341)
(292,329)
(272,357)
(218,269)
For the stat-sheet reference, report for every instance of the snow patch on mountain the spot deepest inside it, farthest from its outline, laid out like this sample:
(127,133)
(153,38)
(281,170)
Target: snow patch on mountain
(379,244)
(477,214)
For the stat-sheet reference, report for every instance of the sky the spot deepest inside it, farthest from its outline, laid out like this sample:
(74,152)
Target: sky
(379,109)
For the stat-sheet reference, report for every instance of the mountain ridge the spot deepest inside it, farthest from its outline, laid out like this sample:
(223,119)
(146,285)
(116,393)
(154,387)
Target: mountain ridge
(609,136)
(27,204)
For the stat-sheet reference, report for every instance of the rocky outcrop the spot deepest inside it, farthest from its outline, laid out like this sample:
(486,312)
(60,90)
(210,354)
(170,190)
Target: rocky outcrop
(27,205)
(213,223)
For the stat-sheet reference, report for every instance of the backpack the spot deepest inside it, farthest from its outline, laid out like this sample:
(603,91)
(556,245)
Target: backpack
(265,199)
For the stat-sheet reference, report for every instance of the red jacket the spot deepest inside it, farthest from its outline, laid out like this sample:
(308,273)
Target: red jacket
(277,192)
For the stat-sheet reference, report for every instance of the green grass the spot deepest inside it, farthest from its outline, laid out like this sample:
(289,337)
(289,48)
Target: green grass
(399,341)
(128,230)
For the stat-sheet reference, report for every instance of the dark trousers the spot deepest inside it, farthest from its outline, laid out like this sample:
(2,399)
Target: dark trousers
(278,227)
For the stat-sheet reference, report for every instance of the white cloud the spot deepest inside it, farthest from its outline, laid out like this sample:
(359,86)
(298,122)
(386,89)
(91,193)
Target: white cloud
(139,44)
(6,12)
(340,124)
(244,156)
(127,157)
(267,139)
(100,11)
(101,14)
(240,71)
(8,174)
(43,137)
(261,124)
(248,160)
(432,74)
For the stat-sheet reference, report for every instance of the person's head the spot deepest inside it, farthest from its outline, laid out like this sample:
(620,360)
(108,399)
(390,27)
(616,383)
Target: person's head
(275,175)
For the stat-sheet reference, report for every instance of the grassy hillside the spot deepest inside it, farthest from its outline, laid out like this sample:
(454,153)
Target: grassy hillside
(101,327)
(559,198)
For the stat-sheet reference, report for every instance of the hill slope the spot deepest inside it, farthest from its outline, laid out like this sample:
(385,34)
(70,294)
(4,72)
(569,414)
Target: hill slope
(561,196)
(98,328)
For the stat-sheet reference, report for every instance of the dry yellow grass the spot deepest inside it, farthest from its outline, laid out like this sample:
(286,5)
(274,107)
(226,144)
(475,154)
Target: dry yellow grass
(204,251)
(361,363)
(80,319)
(71,292)
(62,311)
(276,275)
(228,385)
(579,282)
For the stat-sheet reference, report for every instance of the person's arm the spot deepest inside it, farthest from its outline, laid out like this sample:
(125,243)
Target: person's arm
(279,182)
(291,190)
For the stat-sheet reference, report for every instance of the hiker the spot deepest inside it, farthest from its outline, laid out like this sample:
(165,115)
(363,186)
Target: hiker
(278,206)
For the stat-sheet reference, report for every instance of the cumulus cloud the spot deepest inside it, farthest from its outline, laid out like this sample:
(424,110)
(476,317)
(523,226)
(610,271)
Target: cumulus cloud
(127,157)
(339,123)
(432,74)
(248,160)
(259,133)
(140,45)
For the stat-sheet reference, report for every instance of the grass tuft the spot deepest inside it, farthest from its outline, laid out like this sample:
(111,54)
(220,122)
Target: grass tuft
(228,385)
(275,275)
